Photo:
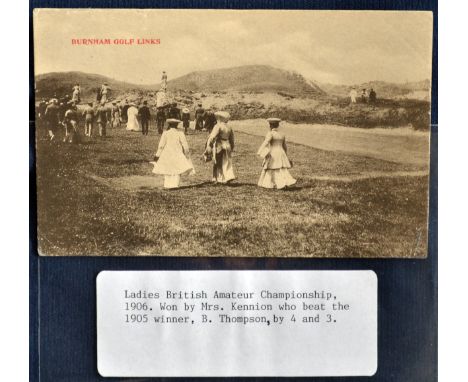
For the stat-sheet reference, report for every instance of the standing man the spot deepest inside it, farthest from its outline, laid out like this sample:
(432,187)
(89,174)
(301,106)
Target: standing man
(199,114)
(185,118)
(364,96)
(101,119)
(63,107)
(174,112)
(372,96)
(105,93)
(164,81)
(353,95)
(51,116)
(70,122)
(124,112)
(210,120)
(109,115)
(160,119)
(115,115)
(41,109)
(89,118)
(145,116)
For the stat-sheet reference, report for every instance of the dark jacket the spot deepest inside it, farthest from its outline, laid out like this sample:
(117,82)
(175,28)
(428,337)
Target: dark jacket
(210,121)
(52,113)
(199,113)
(160,115)
(174,112)
(144,113)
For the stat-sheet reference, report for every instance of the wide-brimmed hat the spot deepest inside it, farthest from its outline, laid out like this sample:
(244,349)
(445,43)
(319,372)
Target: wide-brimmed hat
(172,121)
(273,120)
(223,115)
(185,110)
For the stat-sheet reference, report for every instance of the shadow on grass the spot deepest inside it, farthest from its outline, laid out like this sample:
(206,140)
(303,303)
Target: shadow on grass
(122,161)
(189,186)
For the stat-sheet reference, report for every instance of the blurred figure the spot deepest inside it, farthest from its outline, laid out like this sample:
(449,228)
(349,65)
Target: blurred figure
(104,93)
(41,108)
(173,156)
(353,95)
(164,81)
(51,116)
(276,164)
(174,112)
(70,122)
(76,93)
(123,111)
(185,119)
(145,116)
(221,144)
(364,96)
(372,96)
(89,119)
(63,106)
(199,114)
(161,98)
(101,119)
(115,115)
(109,114)
(160,119)
(210,120)
(132,122)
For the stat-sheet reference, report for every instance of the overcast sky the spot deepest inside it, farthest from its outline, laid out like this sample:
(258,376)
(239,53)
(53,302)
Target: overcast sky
(325,46)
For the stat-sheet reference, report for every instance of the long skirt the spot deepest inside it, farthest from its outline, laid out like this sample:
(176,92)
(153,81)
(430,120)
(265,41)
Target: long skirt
(199,123)
(277,178)
(171,181)
(132,123)
(116,120)
(223,171)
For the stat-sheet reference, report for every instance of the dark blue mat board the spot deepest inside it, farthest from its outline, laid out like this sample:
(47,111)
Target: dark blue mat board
(63,290)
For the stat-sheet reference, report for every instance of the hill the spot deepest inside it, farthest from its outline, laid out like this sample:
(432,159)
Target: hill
(61,83)
(249,78)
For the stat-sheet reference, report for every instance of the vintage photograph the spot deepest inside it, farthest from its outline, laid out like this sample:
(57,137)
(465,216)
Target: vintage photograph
(232,133)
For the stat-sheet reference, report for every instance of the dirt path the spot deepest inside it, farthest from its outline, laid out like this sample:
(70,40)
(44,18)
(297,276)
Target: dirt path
(399,145)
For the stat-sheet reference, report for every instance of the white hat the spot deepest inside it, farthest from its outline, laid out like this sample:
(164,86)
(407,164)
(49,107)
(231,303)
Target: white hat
(223,115)
(185,110)
(273,120)
(172,120)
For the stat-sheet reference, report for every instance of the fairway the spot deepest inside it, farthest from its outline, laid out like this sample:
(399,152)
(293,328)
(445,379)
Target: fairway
(401,145)
(100,198)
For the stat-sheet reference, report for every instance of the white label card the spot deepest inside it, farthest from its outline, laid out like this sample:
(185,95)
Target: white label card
(236,323)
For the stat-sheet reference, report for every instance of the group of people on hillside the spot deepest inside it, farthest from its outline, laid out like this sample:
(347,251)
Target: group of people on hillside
(172,158)
(136,116)
(62,113)
(366,96)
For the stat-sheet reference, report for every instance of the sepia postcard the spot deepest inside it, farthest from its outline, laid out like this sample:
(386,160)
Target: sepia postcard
(232,133)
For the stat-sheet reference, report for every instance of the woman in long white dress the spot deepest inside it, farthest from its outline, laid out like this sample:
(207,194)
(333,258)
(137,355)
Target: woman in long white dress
(76,94)
(220,144)
(173,156)
(132,122)
(276,164)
